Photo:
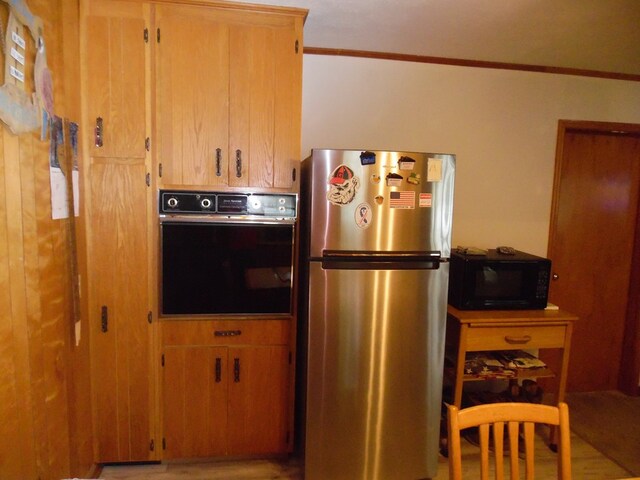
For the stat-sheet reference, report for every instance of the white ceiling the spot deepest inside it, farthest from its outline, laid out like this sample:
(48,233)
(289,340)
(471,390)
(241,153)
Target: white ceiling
(599,35)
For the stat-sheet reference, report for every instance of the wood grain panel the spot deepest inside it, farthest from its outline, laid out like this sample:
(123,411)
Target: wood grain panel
(120,367)
(288,105)
(252,103)
(192,96)
(595,210)
(258,427)
(13,463)
(35,337)
(498,338)
(195,408)
(116,84)
(202,332)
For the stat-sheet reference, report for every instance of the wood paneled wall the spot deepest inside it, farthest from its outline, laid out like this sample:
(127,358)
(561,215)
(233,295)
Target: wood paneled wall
(45,414)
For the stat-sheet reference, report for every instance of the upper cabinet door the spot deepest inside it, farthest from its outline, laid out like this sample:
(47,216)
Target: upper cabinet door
(115,97)
(192,80)
(264,105)
(228,97)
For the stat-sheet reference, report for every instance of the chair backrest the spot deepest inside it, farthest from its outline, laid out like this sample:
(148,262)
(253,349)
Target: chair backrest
(513,415)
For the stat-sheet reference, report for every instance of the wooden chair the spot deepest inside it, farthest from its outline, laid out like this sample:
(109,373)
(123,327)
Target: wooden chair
(513,414)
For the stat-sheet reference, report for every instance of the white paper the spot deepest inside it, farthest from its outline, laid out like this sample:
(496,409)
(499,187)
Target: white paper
(434,170)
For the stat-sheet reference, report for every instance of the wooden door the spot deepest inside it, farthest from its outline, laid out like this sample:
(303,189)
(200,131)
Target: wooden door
(258,395)
(120,333)
(195,401)
(192,80)
(265,104)
(591,245)
(115,71)
(114,76)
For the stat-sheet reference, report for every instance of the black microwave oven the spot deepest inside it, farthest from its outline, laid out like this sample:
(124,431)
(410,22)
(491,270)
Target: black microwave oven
(498,281)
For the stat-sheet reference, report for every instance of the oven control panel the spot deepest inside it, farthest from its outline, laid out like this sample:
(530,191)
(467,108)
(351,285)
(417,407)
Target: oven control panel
(265,205)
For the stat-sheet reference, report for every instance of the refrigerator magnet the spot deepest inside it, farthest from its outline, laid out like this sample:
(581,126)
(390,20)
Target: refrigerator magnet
(434,170)
(343,185)
(379,199)
(375,179)
(394,180)
(414,178)
(367,158)
(425,200)
(363,215)
(404,199)
(406,163)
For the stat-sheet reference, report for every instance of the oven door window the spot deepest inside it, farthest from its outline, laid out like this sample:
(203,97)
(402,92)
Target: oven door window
(213,269)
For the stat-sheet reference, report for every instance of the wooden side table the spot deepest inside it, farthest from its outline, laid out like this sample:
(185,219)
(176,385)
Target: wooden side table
(488,330)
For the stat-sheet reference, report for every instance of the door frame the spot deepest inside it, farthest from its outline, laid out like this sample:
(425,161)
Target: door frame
(629,374)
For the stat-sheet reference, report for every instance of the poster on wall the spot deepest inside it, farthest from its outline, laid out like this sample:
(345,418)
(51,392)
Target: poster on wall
(75,171)
(25,106)
(57,179)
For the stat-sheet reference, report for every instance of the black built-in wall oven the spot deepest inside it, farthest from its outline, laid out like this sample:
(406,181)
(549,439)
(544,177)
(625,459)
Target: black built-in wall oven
(226,253)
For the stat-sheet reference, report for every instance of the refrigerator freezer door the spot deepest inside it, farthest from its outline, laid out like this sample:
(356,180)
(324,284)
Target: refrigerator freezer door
(374,382)
(388,201)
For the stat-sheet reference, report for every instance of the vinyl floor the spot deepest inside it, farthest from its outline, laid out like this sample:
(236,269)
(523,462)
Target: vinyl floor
(587,464)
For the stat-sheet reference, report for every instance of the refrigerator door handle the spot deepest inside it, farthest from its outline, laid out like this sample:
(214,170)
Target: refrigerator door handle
(346,260)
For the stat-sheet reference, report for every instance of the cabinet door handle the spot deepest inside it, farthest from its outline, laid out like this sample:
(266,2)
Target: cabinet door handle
(517,340)
(104,318)
(218,161)
(238,163)
(98,132)
(218,370)
(236,370)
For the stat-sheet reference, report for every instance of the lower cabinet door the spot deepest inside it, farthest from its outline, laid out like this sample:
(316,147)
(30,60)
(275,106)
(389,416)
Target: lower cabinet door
(195,387)
(258,399)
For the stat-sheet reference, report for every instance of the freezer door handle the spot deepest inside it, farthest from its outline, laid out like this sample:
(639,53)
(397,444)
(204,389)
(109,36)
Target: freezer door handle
(351,260)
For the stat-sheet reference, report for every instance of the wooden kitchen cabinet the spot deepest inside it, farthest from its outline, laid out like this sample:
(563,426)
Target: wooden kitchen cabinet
(117,203)
(229,88)
(225,388)
(114,79)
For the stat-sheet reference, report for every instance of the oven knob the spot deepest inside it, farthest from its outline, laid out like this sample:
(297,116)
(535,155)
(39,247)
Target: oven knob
(172,202)
(205,203)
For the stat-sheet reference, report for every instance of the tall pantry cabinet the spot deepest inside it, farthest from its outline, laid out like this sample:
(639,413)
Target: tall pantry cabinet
(193,95)
(114,70)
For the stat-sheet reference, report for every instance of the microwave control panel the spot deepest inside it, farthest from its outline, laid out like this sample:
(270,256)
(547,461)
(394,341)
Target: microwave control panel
(263,205)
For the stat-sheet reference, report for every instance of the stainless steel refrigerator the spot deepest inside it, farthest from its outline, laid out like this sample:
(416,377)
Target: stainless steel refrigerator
(376,239)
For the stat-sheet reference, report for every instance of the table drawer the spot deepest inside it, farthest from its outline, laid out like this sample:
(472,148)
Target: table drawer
(515,337)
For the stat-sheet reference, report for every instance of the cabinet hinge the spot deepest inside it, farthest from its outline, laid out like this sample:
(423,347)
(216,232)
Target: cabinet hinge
(297,46)
(158,35)
(148,179)
(146,35)
(164,444)
(147,144)
(152,445)
(150,314)
(160,170)
(162,360)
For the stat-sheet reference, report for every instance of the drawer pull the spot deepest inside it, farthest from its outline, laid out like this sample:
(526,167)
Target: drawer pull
(227,333)
(517,340)
(218,370)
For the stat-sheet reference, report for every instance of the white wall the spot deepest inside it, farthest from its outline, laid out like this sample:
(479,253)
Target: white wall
(501,124)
